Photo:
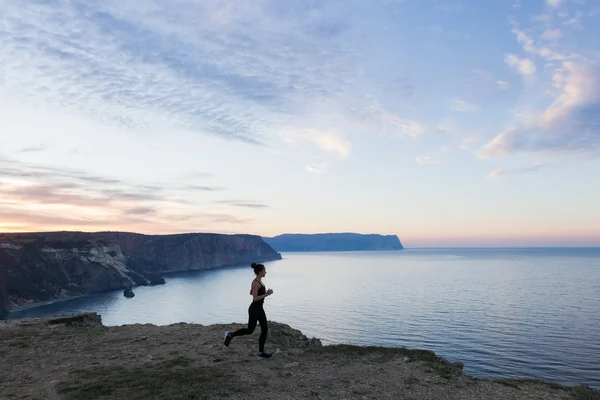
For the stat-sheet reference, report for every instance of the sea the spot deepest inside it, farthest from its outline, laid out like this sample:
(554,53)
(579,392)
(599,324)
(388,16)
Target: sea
(504,313)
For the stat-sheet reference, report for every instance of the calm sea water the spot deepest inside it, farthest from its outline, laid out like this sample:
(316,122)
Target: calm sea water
(503,312)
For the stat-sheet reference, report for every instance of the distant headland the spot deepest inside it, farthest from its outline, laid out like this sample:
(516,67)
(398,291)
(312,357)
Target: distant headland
(292,242)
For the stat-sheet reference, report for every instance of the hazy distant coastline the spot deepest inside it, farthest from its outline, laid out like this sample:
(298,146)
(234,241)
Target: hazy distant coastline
(334,242)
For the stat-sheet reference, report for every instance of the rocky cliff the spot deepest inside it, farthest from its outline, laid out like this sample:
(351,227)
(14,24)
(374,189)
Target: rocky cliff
(3,289)
(334,242)
(189,361)
(40,267)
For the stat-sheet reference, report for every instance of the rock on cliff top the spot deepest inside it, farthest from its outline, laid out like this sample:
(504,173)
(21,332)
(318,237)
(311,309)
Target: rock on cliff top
(187,361)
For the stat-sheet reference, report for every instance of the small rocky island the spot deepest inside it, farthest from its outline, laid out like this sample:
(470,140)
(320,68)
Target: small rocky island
(334,242)
(48,266)
(188,361)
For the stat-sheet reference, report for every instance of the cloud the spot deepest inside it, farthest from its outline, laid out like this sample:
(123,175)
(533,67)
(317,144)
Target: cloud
(575,22)
(317,167)
(239,71)
(502,173)
(141,211)
(33,149)
(484,79)
(467,141)
(244,203)
(51,194)
(525,40)
(445,127)
(496,174)
(204,188)
(11,168)
(39,197)
(428,160)
(462,105)
(16,219)
(433,159)
(333,143)
(571,123)
(554,3)
(552,34)
(527,66)
(524,66)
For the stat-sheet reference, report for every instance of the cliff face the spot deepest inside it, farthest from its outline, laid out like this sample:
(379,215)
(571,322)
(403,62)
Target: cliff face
(41,267)
(3,289)
(169,253)
(334,242)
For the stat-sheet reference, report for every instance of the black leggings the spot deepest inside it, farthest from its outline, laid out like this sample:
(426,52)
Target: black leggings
(255,313)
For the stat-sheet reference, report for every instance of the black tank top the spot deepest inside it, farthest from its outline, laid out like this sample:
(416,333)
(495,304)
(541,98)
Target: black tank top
(261,290)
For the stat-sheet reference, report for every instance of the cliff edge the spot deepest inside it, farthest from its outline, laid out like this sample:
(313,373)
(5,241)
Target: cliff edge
(291,242)
(3,290)
(41,267)
(188,361)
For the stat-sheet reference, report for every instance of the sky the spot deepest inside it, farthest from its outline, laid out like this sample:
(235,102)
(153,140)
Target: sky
(447,123)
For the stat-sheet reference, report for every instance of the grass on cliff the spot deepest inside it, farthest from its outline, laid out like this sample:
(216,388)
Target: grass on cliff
(584,392)
(174,379)
(581,392)
(386,353)
(515,382)
(433,363)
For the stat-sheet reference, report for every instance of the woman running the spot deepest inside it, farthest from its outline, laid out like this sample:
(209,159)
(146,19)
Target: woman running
(255,312)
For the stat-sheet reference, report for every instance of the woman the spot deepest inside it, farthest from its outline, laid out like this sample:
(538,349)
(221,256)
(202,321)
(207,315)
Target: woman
(255,312)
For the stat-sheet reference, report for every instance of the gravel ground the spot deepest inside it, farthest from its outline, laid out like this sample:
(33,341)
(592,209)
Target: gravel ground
(81,359)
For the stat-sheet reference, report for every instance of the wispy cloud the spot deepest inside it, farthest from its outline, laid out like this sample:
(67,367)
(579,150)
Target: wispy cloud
(445,127)
(317,167)
(141,211)
(570,123)
(204,188)
(15,169)
(243,203)
(524,66)
(462,105)
(503,85)
(33,149)
(502,173)
(331,142)
(433,159)
(428,160)
(33,197)
(467,141)
(552,34)
(240,72)
(575,22)
(554,3)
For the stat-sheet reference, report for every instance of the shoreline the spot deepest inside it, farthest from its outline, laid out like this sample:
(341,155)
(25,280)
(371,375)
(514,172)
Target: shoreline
(163,275)
(147,361)
(49,302)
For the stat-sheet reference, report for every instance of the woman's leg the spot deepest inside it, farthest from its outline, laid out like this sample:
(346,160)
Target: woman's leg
(252,318)
(262,319)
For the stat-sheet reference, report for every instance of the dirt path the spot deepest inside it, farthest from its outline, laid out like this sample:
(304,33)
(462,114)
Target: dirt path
(42,359)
